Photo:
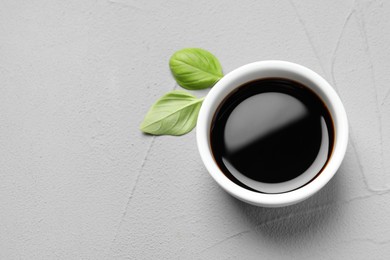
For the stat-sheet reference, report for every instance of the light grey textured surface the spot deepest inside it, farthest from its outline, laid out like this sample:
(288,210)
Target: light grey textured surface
(79,180)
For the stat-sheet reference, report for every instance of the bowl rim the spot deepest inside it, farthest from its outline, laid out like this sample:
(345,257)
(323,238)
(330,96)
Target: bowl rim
(329,96)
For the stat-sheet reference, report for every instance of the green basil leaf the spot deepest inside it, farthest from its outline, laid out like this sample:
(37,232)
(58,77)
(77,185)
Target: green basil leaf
(195,68)
(173,114)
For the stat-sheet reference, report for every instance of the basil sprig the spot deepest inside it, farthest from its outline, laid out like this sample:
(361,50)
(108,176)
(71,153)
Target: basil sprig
(176,112)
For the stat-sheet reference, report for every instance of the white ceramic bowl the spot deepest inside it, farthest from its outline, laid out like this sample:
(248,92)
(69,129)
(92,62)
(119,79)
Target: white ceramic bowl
(267,69)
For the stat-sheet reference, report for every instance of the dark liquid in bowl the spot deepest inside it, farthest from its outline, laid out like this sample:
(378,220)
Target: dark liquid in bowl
(272,131)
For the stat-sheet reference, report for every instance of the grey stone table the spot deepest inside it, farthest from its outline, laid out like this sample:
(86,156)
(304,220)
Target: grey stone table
(80,181)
